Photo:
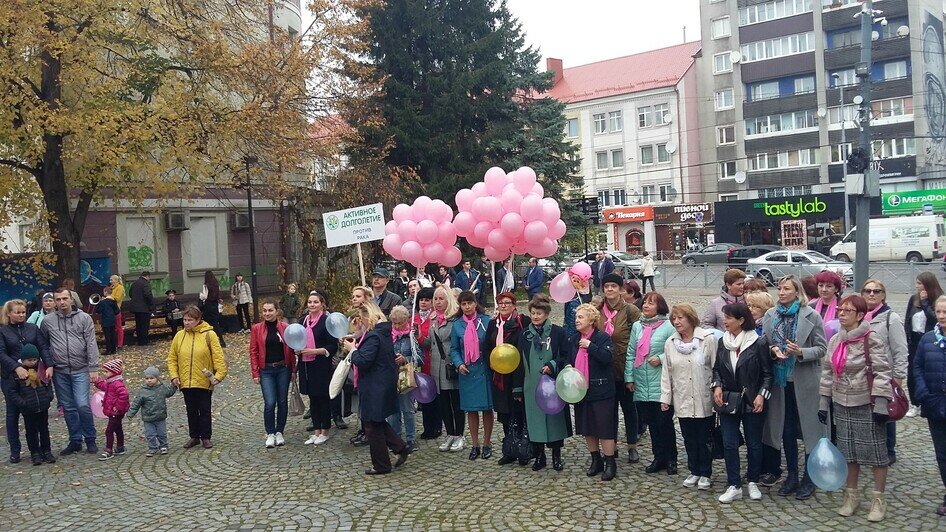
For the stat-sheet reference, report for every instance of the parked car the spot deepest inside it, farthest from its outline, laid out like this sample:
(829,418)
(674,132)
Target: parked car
(625,264)
(910,238)
(824,245)
(712,254)
(739,256)
(776,264)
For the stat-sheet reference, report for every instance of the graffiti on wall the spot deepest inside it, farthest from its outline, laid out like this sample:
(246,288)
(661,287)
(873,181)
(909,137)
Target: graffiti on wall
(934,79)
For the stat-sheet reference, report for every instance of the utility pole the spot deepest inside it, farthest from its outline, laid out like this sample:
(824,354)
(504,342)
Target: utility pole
(841,154)
(248,160)
(863,70)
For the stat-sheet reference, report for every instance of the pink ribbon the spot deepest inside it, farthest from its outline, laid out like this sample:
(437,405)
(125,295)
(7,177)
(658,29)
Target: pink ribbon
(643,345)
(581,359)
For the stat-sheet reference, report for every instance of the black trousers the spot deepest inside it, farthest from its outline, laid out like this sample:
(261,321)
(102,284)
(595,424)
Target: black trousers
(321,409)
(625,399)
(243,312)
(644,285)
(453,417)
(37,432)
(663,437)
(197,402)
(142,324)
(111,339)
(382,437)
(433,420)
(696,434)
(938,433)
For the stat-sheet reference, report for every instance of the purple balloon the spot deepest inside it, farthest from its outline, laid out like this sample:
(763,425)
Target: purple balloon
(546,397)
(426,389)
(831,328)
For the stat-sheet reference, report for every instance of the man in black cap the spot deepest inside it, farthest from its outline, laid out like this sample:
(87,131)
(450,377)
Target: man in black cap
(384,298)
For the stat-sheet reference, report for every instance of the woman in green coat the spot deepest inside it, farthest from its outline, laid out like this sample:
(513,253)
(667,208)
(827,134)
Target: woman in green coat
(540,345)
(645,355)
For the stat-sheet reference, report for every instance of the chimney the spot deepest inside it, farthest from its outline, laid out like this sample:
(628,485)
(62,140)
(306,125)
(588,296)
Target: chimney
(555,66)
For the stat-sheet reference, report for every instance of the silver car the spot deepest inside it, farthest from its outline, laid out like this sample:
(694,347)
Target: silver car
(624,262)
(802,263)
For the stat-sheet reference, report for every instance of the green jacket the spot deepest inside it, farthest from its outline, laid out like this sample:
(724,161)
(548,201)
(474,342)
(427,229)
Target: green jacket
(152,400)
(646,378)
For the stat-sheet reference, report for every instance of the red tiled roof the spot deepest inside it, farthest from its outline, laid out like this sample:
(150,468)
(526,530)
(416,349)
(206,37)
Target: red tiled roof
(633,73)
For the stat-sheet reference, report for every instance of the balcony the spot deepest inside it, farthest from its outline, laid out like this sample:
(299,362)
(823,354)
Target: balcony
(848,56)
(784,178)
(784,142)
(784,104)
(879,90)
(779,67)
(842,17)
(288,16)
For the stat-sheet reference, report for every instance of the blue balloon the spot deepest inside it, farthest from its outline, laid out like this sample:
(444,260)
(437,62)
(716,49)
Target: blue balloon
(426,390)
(336,324)
(717,333)
(827,466)
(546,397)
(295,336)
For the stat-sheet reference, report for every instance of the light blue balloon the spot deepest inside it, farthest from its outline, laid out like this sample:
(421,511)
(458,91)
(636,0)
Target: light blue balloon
(571,385)
(336,324)
(827,466)
(295,336)
(717,333)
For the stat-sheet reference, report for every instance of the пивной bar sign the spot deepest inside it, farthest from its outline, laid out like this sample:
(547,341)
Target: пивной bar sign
(351,226)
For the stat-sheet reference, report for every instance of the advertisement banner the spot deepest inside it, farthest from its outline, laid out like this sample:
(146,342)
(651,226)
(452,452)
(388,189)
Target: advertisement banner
(914,202)
(353,226)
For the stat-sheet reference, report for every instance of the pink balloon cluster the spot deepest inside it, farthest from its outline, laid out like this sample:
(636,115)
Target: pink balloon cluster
(422,233)
(508,213)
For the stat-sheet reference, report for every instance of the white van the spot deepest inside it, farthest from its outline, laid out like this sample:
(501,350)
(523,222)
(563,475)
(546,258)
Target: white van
(910,238)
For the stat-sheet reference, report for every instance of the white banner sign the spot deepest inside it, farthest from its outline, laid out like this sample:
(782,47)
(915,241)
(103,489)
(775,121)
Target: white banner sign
(352,226)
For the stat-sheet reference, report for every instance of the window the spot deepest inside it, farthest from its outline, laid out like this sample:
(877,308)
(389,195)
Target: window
(572,127)
(728,197)
(893,107)
(844,38)
(727,169)
(772,10)
(601,123)
(601,159)
(722,63)
(848,114)
(720,27)
(616,121)
(783,159)
(805,85)
(661,114)
(781,192)
(648,194)
(894,147)
(617,158)
(843,79)
(604,198)
(895,70)
(725,135)
(781,123)
(840,152)
(724,99)
(647,155)
(778,47)
(620,196)
(763,90)
(645,116)
(666,193)
(663,156)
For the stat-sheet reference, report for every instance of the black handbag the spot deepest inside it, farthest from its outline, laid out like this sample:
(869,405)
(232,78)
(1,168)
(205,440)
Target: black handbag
(448,366)
(732,401)
(716,441)
(523,445)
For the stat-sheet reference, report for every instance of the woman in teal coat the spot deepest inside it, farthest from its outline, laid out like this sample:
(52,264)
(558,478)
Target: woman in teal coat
(540,345)
(466,350)
(645,355)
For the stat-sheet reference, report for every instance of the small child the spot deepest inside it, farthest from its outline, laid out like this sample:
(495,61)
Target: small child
(114,405)
(152,401)
(33,396)
(173,314)
(108,311)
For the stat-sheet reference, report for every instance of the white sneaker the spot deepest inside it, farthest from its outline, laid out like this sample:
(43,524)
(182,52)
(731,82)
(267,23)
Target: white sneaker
(732,493)
(320,439)
(270,441)
(311,440)
(691,481)
(280,440)
(445,446)
(754,492)
(704,483)
(457,444)
(912,411)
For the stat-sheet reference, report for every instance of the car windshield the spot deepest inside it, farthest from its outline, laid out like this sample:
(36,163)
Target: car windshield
(624,257)
(817,257)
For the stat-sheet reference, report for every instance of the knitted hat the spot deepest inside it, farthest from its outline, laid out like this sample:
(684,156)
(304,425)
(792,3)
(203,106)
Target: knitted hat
(152,372)
(612,278)
(115,366)
(28,351)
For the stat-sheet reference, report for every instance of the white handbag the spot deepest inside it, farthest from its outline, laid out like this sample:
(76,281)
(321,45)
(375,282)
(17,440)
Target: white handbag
(339,377)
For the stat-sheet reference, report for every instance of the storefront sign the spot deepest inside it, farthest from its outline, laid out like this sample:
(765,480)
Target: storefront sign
(619,215)
(792,207)
(913,202)
(352,226)
(690,214)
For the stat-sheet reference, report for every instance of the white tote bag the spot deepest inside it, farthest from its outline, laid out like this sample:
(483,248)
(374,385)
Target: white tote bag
(339,377)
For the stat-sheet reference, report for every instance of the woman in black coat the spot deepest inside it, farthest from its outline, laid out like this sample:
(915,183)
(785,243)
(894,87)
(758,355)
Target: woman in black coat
(919,319)
(315,367)
(507,389)
(373,356)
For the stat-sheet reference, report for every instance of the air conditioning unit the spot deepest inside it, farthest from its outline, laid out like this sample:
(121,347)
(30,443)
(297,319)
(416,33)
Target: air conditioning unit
(176,221)
(239,220)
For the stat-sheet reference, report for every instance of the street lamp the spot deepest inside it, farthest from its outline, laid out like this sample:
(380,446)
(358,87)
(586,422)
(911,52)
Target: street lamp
(248,160)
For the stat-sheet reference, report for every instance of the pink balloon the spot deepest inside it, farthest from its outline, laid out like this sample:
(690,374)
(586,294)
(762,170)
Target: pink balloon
(546,248)
(510,200)
(441,211)
(581,269)
(488,209)
(408,230)
(464,224)
(451,257)
(495,180)
(524,179)
(558,230)
(476,241)
(95,402)
(519,248)
(482,231)
(427,231)
(537,190)
(390,228)
(494,254)
(479,189)
(433,252)
(401,213)
(413,253)
(531,208)
(535,232)
(550,212)
(499,240)
(422,208)
(512,224)
(464,199)
(392,245)
(446,234)
(561,288)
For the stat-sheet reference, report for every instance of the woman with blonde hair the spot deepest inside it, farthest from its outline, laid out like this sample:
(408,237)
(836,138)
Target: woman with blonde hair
(442,369)
(359,295)
(118,294)
(759,303)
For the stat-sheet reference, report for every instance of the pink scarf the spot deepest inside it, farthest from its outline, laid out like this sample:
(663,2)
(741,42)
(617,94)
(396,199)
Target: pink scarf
(500,327)
(398,333)
(839,356)
(831,313)
(471,340)
(581,359)
(310,324)
(869,316)
(438,317)
(609,319)
(354,368)
(643,345)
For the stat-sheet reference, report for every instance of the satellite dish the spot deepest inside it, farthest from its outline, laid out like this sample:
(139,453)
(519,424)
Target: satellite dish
(903,31)
(858,99)
(635,198)
(668,117)
(739,177)
(671,147)
(874,35)
(735,57)
(672,195)
(822,112)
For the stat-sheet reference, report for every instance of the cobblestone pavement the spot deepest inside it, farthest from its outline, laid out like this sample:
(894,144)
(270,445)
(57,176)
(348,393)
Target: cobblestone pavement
(240,485)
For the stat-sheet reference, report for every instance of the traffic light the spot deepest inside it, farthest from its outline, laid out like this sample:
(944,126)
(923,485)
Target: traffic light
(858,161)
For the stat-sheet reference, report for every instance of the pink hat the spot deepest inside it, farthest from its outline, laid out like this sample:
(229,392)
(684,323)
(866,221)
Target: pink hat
(114,366)
(581,269)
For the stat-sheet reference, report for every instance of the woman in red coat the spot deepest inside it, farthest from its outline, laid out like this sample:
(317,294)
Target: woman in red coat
(272,364)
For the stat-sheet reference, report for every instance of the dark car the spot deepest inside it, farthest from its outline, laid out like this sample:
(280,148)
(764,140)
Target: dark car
(824,245)
(712,254)
(739,256)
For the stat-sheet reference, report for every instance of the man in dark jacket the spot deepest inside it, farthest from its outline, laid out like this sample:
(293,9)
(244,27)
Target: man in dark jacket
(384,298)
(142,304)
(602,266)
(534,279)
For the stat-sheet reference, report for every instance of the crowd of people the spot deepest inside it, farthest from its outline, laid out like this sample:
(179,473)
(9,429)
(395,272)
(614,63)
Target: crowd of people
(755,369)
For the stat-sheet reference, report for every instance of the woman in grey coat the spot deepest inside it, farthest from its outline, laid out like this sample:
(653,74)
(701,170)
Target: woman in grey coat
(796,336)
(438,341)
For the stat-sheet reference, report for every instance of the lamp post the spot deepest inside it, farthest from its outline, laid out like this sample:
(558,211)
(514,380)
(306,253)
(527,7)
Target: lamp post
(248,160)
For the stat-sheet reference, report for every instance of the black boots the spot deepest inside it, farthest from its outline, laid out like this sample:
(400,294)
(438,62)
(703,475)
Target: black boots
(540,462)
(610,468)
(806,489)
(597,465)
(633,456)
(789,485)
(557,459)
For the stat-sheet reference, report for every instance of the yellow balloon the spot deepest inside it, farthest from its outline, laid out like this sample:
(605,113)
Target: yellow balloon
(504,358)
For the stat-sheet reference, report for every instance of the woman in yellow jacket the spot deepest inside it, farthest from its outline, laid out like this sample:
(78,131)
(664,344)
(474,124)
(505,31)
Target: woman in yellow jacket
(195,364)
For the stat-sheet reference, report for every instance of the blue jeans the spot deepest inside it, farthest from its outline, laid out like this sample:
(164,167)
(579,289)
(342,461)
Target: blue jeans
(752,429)
(275,385)
(13,416)
(73,393)
(405,404)
(156,434)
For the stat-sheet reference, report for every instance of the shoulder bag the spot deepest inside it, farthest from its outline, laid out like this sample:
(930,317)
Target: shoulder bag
(296,404)
(898,405)
(339,377)
(449,368)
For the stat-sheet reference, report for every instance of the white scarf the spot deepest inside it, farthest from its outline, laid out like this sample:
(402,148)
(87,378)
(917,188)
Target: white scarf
(693,347)
(737,344)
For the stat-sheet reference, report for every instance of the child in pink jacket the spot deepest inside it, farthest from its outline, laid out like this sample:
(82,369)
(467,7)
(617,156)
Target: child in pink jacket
(114,405)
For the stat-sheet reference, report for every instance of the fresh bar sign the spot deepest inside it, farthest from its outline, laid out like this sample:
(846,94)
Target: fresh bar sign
(791,208)
(913,202)
(351,226)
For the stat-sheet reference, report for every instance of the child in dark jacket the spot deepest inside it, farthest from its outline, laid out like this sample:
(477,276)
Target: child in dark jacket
(114,405)
(152,401)
(108,311)
(33,396)
(173,314)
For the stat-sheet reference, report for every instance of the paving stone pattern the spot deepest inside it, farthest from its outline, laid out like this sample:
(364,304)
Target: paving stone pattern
(239,485)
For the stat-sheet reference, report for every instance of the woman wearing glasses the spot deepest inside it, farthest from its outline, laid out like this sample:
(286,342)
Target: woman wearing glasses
(505,328)
(857,382)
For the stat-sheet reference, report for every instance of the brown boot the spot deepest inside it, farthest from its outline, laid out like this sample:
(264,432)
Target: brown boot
(191,442)
(852,499)
(206,443)
(878,507)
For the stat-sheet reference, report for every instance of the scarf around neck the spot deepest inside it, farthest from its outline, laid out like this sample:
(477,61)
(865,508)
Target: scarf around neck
(581,359)
(500,327)
(940,337)
(540,335)
(832,311)
(608,319)
(839,356)
(737,344)
(879,309)
(649,325)
(471,340)
(784,331)
(309,323)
